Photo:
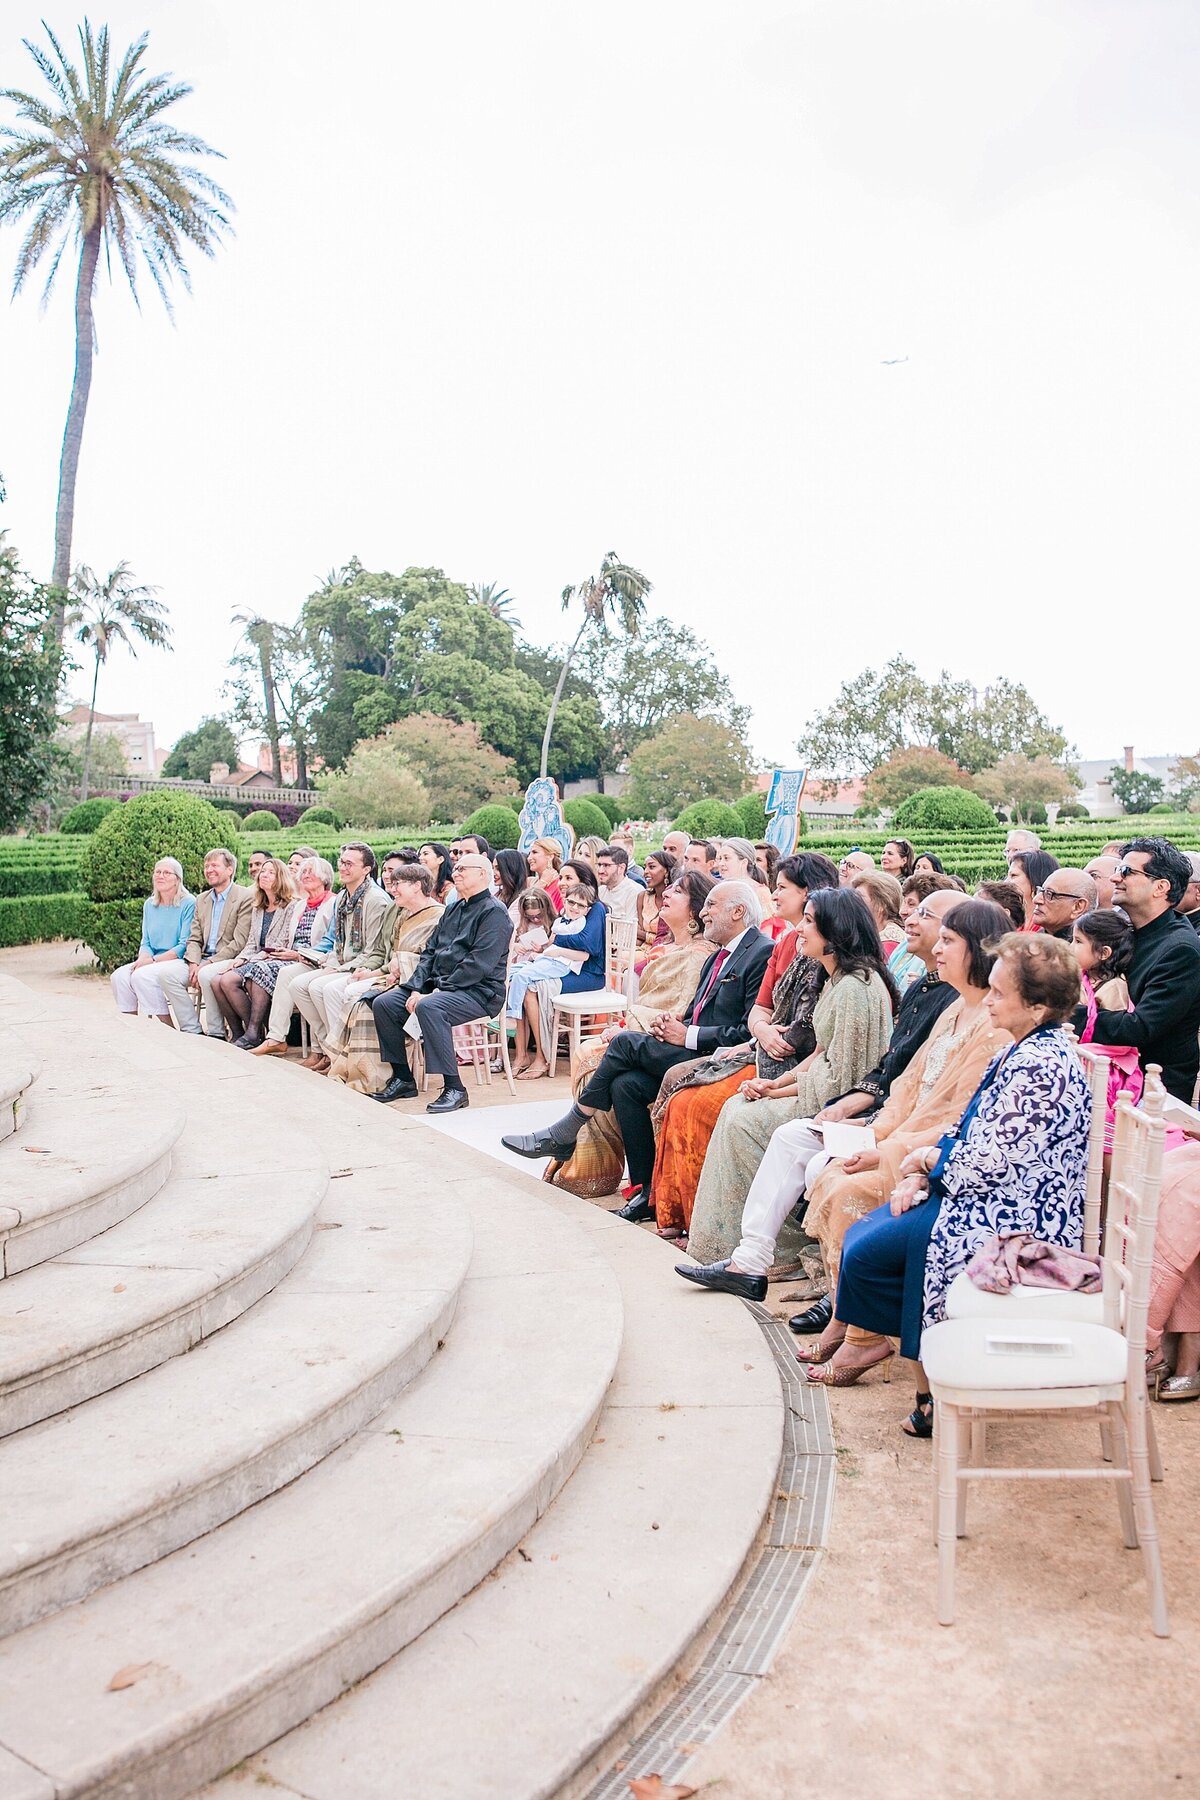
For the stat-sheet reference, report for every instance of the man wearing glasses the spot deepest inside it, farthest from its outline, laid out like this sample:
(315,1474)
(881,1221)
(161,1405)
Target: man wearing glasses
(1065,897)
(1164,976)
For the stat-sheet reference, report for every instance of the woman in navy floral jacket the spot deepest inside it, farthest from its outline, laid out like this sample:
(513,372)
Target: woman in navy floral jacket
(1016,1161)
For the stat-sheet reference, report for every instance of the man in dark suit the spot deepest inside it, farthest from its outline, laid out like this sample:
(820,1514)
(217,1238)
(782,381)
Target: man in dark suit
(634,1064)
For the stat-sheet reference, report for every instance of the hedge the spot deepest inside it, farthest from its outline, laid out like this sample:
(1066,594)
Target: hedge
(586,819)
(113,930)
(318,815)
(85,817)
(122,854)
(498,824)
(943,809)
(41,917)
(261,821)
(751,810)
(708,819)
(613,809)
(38,878)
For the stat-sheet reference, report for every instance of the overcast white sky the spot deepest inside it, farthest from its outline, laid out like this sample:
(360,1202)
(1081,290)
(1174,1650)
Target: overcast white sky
(517,284)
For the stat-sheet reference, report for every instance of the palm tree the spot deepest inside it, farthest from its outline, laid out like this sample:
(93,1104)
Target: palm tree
(497,600)
(113,611)
(618,588)
(260,633)
(97,166)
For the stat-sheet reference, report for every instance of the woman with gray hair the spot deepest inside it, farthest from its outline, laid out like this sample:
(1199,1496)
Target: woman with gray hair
(166,922)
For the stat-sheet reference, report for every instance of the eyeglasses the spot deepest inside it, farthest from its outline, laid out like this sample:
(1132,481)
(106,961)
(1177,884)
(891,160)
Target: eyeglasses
(923,912)
(1128,868)
(1056,894)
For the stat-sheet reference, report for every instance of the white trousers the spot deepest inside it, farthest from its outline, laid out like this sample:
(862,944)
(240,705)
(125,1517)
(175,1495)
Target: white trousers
(139,990)
(174,979)
(324,997)
(283,1000)
(793,1158)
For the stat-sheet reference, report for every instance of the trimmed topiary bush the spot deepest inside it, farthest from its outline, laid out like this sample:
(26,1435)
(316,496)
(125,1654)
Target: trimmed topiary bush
(83,819)
(261,821)
(112,930)
(498,824)
(587,820)
(1071,809)
(319,815)
(119,862)
(614,810)
(752,811)
(943,809)
(710,818)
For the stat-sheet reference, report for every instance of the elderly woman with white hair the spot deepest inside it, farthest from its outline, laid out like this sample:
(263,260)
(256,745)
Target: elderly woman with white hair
(166,923)
(632,1068)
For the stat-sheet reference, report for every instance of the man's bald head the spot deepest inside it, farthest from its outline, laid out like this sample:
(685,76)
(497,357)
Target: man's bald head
(925,921)
(1065,897)
(1102,870)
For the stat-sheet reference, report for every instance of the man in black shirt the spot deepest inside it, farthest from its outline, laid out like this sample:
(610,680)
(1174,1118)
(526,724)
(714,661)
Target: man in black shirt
(1164,975)
(460,977)
(1189,907)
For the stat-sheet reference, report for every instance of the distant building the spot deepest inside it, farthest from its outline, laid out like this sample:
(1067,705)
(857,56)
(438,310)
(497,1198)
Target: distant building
(136,736)
(1096,793)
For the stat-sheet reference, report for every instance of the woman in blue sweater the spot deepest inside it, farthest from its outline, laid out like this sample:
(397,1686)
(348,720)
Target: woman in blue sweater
(166,922)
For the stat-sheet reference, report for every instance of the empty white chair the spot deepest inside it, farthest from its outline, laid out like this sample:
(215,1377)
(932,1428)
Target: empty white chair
(1031,1364)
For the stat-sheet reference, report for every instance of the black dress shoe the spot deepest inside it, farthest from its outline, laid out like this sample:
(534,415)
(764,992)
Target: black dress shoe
(641,1207)
(717,1276)
(400,1087)
(818,1316)
(451,1099)
(537,1144)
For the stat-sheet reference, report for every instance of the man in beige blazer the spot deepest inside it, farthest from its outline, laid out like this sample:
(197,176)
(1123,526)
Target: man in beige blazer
(219,927)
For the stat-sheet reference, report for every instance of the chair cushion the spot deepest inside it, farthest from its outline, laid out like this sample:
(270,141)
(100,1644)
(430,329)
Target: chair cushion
(969,1353)
(599,1000)
(966,1301)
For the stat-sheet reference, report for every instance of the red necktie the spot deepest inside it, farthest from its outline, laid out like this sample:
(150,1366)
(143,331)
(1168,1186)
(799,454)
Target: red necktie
(718,964)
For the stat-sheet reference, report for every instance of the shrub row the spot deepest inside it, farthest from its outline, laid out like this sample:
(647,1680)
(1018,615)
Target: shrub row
(38,878)
(37,918)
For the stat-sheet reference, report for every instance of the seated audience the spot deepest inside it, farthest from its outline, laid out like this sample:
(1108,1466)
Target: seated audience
(437,859)
(299,856)
(1007,896)
(1060,900)
(767,858)
(1103,946)
(1102,870)
(595,1165)
(511,870)
(1015,1162)
(701,855)
(675,844)
(898,859)
(354,1055)
(795,1155)
(571,960)
(623,838)
(265,979)
(1189,906)
(735,861)
(217,931)
(659,873)
(545,861)
(928,864)
(1173,1326)
(459,977)
(882,893)
(781,1034)
(322,994)
(589,850)
(1164,970)
(254,863)
(904,965)
(1019,840)
(619,894)
(852,1022)
(166,927)
(269,930)
(1028,871)
(631,1070)
(855,862)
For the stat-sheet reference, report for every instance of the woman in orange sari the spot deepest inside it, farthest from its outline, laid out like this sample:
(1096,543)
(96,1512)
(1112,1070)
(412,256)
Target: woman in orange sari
(692,1096)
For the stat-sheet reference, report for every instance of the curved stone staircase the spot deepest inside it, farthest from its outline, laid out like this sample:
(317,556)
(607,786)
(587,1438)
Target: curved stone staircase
(336,1459)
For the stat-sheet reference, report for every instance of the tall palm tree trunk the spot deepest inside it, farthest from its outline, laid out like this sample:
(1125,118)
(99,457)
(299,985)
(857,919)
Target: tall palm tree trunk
(68,468)
(562,682)
(268,681)
(91,724)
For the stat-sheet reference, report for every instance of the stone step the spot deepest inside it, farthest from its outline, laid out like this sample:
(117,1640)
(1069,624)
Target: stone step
(18,1072)
(608,1594)
(79,1165)
(211,1241)
(252,1628)
(197,1440)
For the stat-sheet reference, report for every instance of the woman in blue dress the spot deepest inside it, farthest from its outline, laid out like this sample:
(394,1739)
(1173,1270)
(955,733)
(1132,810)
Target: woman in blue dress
(575,962)
(1015,1162)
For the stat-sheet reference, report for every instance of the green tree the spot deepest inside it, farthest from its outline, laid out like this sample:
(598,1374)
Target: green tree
(944,809)
(642,681)
(115,610)
(907,771)
(193,755)
(689,759)
(31,664)
(98,165)
(459,770)
(1023,782)
(260,635)
(893,708)
(617,590)
(288,684)
(496,600)
(375,789)
(1136,792)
